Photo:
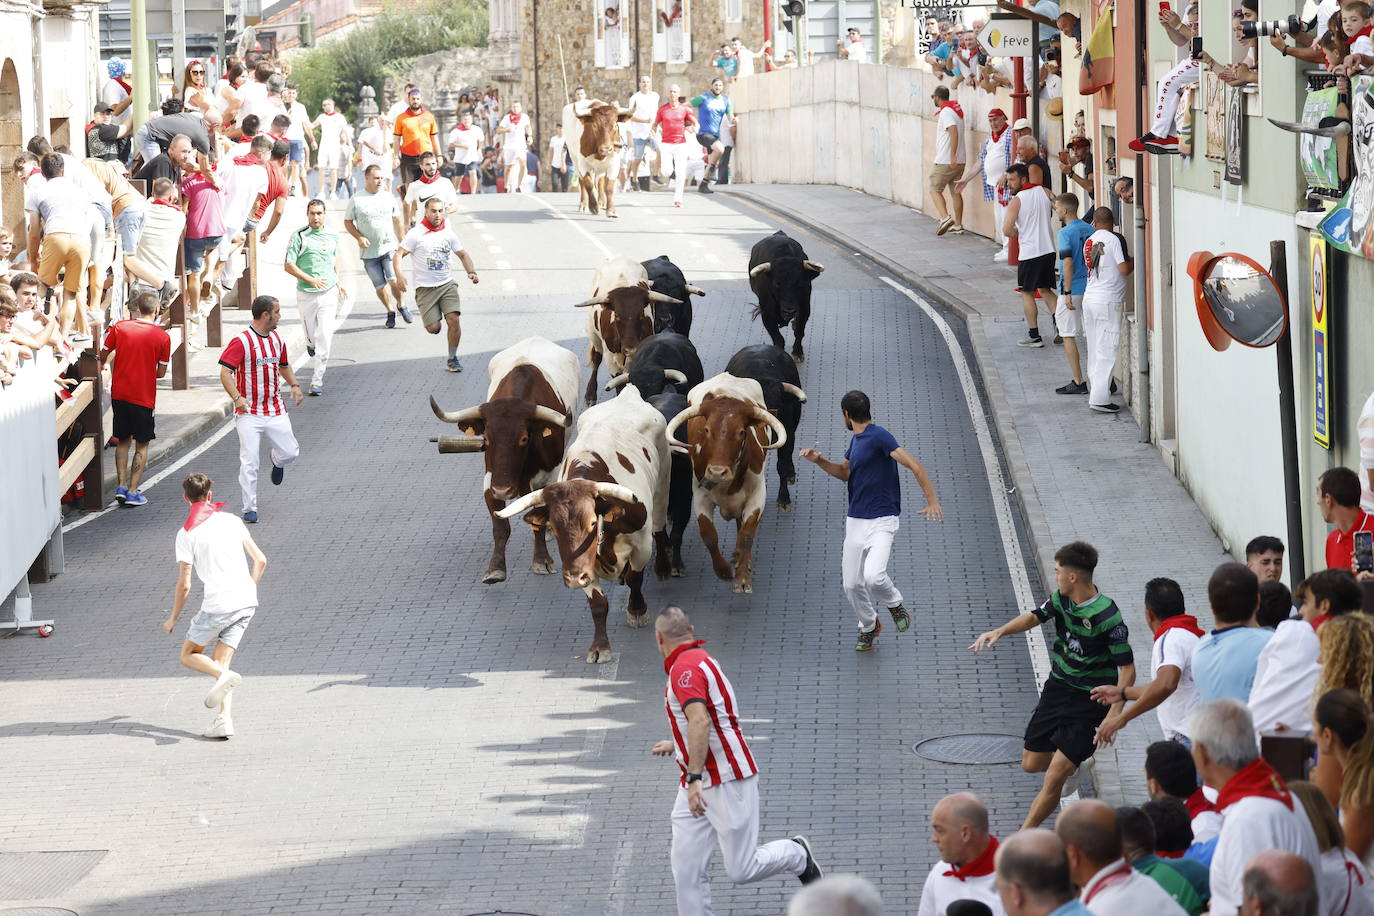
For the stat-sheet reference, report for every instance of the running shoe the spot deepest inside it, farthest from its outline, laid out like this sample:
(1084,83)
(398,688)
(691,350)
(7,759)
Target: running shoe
(278,474)
(1033,343)
(391,319)
(945,225)
(121,494)
(316,391)
(677,203)
(405,314)
(1114,388)
(136,498)
(1086,768)
(1106,408)
(956,230)
(1072,388)
(865,643)
(1058,339)
(223,684)
(705,187)
(222,727)
(1000,257)
(453,365)
(251,517)
(900,617)
(812,872)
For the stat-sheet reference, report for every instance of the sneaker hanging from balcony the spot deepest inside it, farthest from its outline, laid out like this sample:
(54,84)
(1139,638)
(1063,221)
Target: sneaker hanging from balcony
(1149,143)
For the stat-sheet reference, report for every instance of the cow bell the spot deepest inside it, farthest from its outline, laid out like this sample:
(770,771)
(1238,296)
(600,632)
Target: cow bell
(454,445)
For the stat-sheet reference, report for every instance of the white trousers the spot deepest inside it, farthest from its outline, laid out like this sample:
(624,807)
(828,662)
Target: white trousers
(867,544)
(319,310)
(1102,328)
(675,156)
(252,430)
(731,822)
(1000,214)
(1170,90)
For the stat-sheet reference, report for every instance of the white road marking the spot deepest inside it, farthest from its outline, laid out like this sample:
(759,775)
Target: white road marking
(592,745)
(574,223)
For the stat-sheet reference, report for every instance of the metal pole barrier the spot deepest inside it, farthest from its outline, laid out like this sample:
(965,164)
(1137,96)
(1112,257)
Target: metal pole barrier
(1288,421)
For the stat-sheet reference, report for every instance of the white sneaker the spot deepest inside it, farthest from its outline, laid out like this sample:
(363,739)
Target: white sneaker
(1072,783)
(222,727)
(225,683)
(1000,257)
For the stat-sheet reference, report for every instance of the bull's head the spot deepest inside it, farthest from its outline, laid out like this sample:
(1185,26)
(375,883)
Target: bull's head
(509,428)
(791,283)
(581,514)
(727,436)
(599,134)
(649,381)
(630,317)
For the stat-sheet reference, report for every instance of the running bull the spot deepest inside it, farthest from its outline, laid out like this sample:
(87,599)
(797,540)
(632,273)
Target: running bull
(777,375)
(621,316)
(663,362)
(591,129)
(780,276)
(665,277)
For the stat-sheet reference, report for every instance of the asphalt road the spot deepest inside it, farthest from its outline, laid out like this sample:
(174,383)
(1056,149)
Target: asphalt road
(411,741)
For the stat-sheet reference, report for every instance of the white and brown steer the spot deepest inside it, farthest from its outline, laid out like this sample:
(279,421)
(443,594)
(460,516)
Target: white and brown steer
(621,316)
(609,507)
(522,428)
(590,127)
(729,430)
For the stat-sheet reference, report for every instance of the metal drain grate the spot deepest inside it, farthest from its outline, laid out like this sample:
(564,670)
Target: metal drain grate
(34,875)
(980,750)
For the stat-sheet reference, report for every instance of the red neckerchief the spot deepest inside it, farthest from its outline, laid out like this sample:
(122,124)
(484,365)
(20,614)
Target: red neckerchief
(1317,624)
(955,105)
(167,203)
(89,125)
(249,159)
(244,139)
(277,139)
(1364,31)
(438,228)
(1028,185)
(1198,804)
(1165,854)
(514,118)
(32,173)
(980,867)
(464,127)
(997,137)
(672,656)
(431,180)
(1256,779)
(1121,873)
(200,512)
(1179,622)
(125,84)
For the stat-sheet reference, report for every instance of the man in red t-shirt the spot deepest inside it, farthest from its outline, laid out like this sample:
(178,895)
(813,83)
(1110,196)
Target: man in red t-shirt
(141,353)
(1338,496)
(673,121)
(276,192)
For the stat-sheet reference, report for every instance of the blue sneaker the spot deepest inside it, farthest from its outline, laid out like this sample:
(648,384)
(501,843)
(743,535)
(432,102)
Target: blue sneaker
(453,365)
(121,494)
(250,517)
(405,314)
(316,391)
(136,498)
(278,475)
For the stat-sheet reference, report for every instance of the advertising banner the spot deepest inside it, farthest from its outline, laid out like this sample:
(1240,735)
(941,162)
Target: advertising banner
(1321,345)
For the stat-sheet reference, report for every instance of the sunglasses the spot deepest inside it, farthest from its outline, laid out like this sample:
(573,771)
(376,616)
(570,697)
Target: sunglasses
(197,72)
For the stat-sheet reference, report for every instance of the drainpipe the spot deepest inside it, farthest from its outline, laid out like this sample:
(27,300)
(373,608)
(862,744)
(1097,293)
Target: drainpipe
(767,33)
(534,45)
(1142,310)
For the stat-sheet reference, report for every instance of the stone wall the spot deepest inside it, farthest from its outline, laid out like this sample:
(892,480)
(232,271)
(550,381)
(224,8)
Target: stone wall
(443,71)
(571,21)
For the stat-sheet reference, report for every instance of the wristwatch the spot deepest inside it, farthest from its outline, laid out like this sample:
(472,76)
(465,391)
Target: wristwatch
(693,777)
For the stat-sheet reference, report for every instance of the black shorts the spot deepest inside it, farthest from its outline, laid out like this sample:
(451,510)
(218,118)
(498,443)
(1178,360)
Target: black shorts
(1036,273)
(410,168)
(461,169)
(1064,720)
(132,421)
(707,140)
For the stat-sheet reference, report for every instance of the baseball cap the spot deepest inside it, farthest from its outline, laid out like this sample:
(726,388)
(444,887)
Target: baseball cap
(1022,124)
(997,113)
(101,107)
(1078,142)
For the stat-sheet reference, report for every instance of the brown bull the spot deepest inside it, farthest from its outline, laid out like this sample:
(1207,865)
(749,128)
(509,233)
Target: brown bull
(600,151)
(623,319)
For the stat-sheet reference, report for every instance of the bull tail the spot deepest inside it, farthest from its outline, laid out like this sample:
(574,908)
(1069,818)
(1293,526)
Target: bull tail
(755,312)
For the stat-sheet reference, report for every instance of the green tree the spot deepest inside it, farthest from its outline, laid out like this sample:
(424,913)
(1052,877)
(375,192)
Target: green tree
(369,54)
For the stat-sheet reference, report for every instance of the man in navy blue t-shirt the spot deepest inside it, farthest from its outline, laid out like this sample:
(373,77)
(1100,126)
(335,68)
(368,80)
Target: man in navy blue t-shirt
(869,470)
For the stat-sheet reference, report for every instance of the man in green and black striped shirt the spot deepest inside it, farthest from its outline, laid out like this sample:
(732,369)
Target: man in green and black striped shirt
(1091,649)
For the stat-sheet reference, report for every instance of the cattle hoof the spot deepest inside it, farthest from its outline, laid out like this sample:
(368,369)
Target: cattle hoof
(799,357)
(679,572)
(539,568)
(792,481)
(637,620)
(723,571)
(597,656)
(743,588)
(590,400)
(784,507)
(493,576)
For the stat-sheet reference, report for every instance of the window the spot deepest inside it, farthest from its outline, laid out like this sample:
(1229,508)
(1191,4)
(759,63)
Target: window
(673,30)
(734,10)
(612,36)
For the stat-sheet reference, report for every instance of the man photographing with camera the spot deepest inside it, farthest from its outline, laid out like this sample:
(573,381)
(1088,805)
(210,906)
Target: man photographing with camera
(1305,34)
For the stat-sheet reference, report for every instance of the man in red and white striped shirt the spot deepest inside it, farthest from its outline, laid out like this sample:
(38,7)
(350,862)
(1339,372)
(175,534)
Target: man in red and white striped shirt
(251,369)
(718,791)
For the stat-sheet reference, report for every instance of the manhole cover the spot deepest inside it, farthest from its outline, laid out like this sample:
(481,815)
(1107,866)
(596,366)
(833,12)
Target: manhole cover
(38,911)
(502,913)
(971,749)
(34,875)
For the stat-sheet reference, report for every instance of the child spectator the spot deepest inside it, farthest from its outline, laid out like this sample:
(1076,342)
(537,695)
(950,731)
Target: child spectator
(1356,24)
(31,320)
(6,253)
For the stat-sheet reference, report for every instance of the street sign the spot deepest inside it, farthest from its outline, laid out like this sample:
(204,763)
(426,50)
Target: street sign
(202,17)
(1011,36)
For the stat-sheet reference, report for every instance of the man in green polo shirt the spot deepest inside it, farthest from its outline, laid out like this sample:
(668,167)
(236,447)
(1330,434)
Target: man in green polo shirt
(1091,649)
(312,258)
(1138,848)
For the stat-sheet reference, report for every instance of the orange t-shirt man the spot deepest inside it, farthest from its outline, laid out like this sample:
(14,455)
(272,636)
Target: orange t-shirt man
(416,132)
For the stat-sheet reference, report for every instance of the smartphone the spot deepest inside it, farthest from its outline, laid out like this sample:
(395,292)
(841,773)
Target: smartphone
(1164,6)
(1364,551)
(1197,48)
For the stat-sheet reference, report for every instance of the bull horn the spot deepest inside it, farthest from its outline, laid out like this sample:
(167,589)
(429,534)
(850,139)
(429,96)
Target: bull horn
(779,431)
(618,381)
(674,376)
(659,297)
(616,491)
(523,504)
(812,265)
(761,269)
(677,421)
(595,300)
(553,417)
(460,416)
(794,391)
(695,290)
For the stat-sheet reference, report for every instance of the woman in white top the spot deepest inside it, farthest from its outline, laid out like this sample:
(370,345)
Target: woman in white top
(228,91)
(196,94)
(1343,882)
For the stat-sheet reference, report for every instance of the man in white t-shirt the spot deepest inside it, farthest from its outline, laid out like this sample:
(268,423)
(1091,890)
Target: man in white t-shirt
(333,133)
(1027,220)
(746,57)
(436,292)
(1109,264)
(299,135)
(216,546)
(161,236)
(514,131)
(558,160)
(851,47)
(242,180)
(959,829)
(430,186)
(465,151)
(948,165)
(374,148)
(1171,692)
(253,92)
(116,89)
(644,105)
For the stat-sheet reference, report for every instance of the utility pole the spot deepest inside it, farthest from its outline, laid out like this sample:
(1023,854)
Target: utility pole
(145,77)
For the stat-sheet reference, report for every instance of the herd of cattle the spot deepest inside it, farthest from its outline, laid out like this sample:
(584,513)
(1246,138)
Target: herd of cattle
(671,443)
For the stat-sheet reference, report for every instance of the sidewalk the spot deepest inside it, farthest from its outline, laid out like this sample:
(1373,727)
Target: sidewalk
(1079,475)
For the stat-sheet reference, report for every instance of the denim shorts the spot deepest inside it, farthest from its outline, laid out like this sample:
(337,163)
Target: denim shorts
(195,251)
(640,144)
(380,270)
(129,225)
(297,151)
(226,627)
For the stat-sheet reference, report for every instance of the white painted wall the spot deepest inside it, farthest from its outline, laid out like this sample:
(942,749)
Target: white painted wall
(1230,452)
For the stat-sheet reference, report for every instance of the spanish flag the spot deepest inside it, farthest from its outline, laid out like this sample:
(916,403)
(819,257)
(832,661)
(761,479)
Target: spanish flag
(1098,65)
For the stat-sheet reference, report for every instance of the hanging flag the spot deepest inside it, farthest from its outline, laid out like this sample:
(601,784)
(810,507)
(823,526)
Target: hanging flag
(1098,65)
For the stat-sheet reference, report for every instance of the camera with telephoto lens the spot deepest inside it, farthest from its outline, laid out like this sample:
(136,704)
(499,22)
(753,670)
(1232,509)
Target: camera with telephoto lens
(1293,25)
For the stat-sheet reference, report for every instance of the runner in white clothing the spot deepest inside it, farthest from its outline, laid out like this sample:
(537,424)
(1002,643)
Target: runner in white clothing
(333,132)
(465,151)
(1109,264)
(718,789)
(216,546)
(514,132)
(644,105)
(1028,220)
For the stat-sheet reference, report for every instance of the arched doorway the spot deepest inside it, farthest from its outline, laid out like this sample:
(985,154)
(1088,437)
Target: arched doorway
(11,143)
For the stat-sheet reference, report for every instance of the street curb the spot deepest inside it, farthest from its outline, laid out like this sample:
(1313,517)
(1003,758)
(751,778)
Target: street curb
(1107,778)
